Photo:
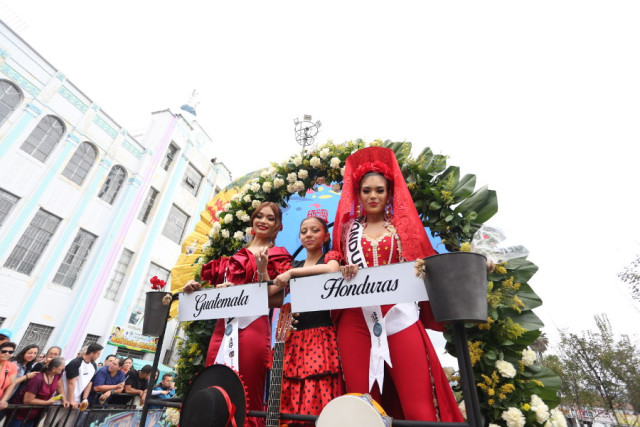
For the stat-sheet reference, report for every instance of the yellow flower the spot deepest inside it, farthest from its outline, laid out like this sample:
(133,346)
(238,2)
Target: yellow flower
(447,196)
(538,383)
(485,326)
(475,352)
(526,407)
(491,402)
(465,247)
(491,392)
(500,269)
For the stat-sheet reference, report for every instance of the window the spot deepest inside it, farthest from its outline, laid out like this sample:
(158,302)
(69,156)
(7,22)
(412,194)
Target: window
(90,339)
(36,334)
(168,158)
(113,184)
(7,202)
(74,260)
(118,275)
(175,225)
(43,139)
(125,353)
(192,179)
(10,98)
(80,164)
(148,205)
(138,309)
(33,242)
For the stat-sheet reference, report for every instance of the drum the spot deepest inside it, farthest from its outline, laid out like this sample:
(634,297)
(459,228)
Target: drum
(353,410)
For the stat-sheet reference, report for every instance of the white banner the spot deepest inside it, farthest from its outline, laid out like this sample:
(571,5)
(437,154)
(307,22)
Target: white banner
(388,284)
(217,303)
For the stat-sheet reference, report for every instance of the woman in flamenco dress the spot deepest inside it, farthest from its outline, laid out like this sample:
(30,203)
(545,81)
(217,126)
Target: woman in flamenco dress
(377,224)
(259,261)
(311,367)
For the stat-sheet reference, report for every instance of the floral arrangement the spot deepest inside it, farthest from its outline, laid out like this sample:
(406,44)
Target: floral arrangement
(513,389)
(157,284)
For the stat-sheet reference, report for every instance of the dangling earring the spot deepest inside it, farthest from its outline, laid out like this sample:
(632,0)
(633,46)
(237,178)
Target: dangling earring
(387,212)
(253,232)
(358,211)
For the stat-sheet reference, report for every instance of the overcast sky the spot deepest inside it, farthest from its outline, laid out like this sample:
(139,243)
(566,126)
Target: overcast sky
(540,100)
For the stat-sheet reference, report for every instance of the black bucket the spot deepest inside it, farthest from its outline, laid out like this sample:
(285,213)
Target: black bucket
(457,286)
(155,314)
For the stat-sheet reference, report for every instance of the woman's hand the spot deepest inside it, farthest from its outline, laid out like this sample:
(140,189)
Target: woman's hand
(282,279)
(348,271)
(191,286)
(490,266)
(224,285)
(262,258)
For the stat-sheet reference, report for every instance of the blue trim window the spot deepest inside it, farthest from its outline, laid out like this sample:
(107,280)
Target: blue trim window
(176,224)
(75,258)
(80,164)
(33,242)
(7,202)
(44,138)
(119,274)
(10,98)
(113,184)
(149,201)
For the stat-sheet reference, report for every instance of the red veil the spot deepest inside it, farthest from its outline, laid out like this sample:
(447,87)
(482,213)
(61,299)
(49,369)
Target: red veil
(414,240)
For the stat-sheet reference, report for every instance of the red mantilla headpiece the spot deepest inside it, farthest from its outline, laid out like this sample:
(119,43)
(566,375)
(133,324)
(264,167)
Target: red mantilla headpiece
(415,243)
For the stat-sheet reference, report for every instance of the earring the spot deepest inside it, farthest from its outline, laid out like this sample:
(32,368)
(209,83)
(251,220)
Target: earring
(253,232)
(358,210)
(387,212)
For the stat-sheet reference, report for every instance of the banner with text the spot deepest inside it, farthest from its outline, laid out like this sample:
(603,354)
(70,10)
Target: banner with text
(217,303)
(131,337)
(388,284)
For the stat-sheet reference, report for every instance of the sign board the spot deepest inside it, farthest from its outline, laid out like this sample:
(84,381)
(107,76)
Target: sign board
(388,284)
(218,303)
(131,337)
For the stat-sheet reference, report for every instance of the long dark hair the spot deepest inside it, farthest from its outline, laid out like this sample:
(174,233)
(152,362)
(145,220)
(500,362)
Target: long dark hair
(20,356)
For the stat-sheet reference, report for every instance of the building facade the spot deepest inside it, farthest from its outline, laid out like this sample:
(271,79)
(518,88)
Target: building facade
(89,212)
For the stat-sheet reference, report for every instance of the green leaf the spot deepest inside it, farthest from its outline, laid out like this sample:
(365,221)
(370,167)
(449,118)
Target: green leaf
(527,319)
(524,270)
(528,297)
(464,188)
(489,209)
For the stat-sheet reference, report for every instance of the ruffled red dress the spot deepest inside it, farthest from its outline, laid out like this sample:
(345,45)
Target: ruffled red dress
(254,341)
(311,375)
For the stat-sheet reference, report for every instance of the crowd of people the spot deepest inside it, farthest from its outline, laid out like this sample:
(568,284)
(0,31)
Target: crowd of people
(331,353)
(65,389)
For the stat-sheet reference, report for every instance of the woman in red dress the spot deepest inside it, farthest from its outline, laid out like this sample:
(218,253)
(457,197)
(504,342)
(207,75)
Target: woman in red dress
(259,261)
(311,375)
(377,224)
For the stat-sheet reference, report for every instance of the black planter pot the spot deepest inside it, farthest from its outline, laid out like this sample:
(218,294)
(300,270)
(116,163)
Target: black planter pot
(155,314)
(457,286)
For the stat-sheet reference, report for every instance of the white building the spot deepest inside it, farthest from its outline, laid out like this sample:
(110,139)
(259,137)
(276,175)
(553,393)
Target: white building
(88,211)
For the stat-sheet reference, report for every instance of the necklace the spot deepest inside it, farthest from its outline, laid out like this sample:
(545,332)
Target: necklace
(390,230)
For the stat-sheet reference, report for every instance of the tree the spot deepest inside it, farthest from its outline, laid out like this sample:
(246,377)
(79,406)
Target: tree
(631,276)
(540,345)
(598,370)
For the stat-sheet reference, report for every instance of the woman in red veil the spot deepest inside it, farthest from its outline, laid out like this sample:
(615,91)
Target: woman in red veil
(385,350)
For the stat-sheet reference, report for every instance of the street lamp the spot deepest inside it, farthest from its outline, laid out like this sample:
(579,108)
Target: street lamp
(306,131)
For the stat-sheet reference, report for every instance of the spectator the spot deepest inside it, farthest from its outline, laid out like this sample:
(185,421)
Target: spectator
(106,382)
(166,389)
(76,378)
(8,371)
(39,391)
(53,352)
(126,368)
(40,358)
(24,360)
(137,382)
(108,359)
(5,335)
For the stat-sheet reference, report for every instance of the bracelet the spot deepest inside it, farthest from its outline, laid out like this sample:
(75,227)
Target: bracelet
(261,276)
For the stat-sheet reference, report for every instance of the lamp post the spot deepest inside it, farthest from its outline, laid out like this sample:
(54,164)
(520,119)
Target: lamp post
(306,131)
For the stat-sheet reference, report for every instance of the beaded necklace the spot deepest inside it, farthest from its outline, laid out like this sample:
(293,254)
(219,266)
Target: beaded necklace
(375,242)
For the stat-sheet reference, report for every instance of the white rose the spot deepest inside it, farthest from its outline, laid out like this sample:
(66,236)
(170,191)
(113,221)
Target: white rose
(493,425)
(540,408)
(226,207)
(272,170)
(247,198)
(542,415)
(513,417)
(206,245)
(557,418)
(315,162)
(255,204)
(248,231)
(278,182)
(218,214)
(228,218)
(267,187)
(240,214)
(217,226)
(324,153)
(291,188)
(238,235)
(255,187)
(528,357)
(505,368)
(245,218)
(302,173)
(236,197)
(334,163)
(264,174)
(449,372)
(299,186)
(297,160)
(225,233)
(292,177)
(213,232)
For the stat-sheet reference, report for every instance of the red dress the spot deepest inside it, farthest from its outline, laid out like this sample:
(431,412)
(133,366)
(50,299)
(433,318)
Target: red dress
(254,341)
(416,379)
(311,375)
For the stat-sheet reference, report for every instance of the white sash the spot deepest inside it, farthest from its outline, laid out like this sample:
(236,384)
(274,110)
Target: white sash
(372,315)
(229,351)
